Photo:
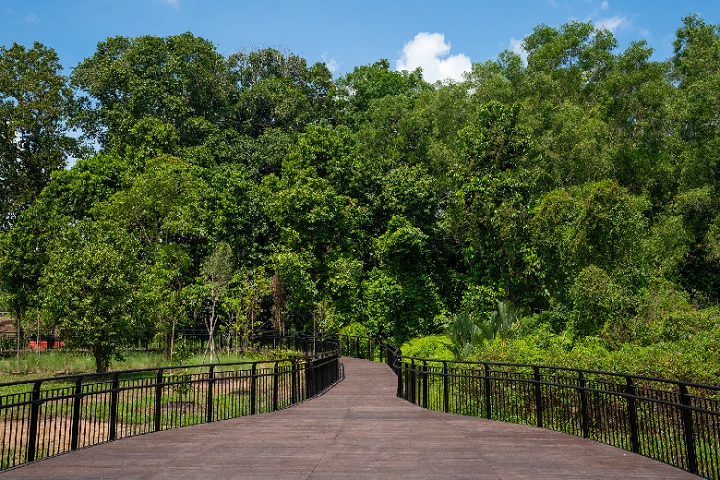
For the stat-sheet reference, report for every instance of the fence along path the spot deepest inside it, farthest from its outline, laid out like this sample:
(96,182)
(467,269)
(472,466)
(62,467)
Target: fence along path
(357,430)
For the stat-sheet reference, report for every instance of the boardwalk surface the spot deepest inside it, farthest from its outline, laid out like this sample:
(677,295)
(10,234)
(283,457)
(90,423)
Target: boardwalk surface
(357,430)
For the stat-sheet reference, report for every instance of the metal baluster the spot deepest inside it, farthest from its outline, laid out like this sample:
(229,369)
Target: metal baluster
(75,428)
(538,397)
(253,388)
(632,414)
(276,374)
(424,379)
(488,393)
(584,426)
(413,381)
(209,403)
(446,392)
(688,430)
(113,407)
(309,366)
(34,417)
(293,381)
(158,398)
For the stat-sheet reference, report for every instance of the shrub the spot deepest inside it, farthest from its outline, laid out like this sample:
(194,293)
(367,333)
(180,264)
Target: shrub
(433,346)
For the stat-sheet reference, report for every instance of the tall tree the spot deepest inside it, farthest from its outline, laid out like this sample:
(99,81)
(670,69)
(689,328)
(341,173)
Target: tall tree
(181,80)
(359,88)
(35,101)
(89,289)
(279,90)
(216,274)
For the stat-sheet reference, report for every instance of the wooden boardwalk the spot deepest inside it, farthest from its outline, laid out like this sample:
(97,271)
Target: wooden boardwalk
(357,430)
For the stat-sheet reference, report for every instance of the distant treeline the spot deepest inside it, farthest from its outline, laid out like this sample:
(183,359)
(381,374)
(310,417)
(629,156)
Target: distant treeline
(579,187)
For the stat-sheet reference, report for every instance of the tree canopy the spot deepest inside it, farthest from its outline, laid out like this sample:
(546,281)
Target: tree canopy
(577,190)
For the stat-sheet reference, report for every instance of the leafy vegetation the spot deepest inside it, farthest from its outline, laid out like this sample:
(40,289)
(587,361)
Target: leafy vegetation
(559,210)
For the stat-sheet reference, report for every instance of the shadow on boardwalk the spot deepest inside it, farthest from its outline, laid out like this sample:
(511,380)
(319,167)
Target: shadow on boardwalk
(357,430)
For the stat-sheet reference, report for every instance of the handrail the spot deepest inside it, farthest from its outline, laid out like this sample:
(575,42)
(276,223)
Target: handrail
(672,421)
(46,417)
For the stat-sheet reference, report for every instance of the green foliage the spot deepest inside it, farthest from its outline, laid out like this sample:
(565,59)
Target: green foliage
(176,80)
(480,299)
(597,301)
(665,313)
(464,332)
(365,84)
(355,330)
(433,346)
(253,191)
(402,300)
(89,289)
(279,90)
(35,101)
(500,323)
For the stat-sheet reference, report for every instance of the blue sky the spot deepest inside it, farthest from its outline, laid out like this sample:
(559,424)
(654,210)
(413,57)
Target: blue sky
(442,37)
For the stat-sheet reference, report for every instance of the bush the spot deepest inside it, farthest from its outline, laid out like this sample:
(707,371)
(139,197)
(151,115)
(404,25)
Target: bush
(433,346)
(597,299)
(355,330)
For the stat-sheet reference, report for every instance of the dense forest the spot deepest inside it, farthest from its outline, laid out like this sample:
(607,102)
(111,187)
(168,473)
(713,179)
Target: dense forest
(558,209)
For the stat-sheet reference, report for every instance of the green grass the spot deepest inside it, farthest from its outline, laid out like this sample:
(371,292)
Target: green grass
(46,364)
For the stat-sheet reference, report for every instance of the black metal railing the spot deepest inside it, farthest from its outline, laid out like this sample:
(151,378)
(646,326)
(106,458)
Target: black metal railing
(43,418)
(671,421)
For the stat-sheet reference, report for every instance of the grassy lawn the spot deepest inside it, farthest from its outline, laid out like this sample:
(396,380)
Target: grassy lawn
(44,364)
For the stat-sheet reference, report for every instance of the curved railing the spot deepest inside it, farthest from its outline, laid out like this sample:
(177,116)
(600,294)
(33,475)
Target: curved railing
(671,421)
(47,417)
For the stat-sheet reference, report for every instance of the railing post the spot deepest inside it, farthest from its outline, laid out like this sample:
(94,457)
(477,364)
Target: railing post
(446,390)
(34,419)
(276,373)
(424,379)
(336,370)
(488,393)
(584,423)
(318,379)
(253,388)
(538,397)
(413,382)
(406,381)
(77,404)
(688,430)
(293,381)
(112,435)
(308,377)
(632,414)
(158,398)
(209,402)
(398,366)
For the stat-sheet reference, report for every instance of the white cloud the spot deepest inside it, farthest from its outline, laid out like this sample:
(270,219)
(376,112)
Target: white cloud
(32,18)
(612,23)
(515,46)
(172,3)
(604,5)
(430,52)
(331,64)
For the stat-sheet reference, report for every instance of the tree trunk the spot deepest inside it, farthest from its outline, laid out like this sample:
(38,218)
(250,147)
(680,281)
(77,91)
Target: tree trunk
(100,366)
(210,325)
(17,342)
(172,338)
